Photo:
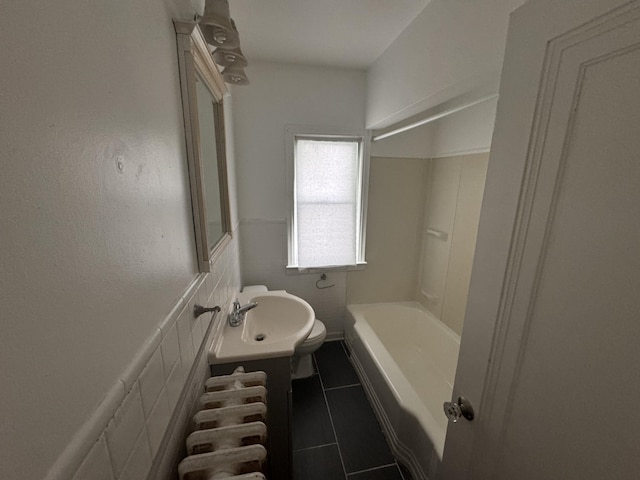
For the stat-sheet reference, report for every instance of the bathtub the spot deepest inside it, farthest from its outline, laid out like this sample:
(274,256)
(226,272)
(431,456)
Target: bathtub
(406,360)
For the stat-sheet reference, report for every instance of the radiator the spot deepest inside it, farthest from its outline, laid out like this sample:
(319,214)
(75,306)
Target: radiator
(229,436)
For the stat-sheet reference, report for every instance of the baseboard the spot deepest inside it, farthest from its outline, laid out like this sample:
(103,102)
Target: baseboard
(333,336)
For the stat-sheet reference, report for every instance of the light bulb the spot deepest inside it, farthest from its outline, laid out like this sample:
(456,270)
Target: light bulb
(220,36)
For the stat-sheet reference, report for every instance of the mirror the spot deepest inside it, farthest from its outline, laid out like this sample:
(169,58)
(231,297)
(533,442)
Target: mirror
(207,121)
(203,90)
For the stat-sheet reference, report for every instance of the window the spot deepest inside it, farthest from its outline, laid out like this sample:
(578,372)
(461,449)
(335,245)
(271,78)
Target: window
(327,184)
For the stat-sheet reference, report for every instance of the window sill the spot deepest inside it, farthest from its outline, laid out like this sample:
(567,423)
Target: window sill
(293,270)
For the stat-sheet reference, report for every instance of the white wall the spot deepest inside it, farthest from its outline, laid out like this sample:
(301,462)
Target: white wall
(92,259)
(453,48)
(282,94)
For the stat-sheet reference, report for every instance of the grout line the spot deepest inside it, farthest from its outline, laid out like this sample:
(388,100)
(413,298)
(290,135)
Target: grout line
(332,425)
(400,470)
(342,344)
(376,468)
(316,446)
(343,386)
(347,353)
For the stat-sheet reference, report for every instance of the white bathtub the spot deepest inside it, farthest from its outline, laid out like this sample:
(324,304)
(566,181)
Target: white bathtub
(406,360)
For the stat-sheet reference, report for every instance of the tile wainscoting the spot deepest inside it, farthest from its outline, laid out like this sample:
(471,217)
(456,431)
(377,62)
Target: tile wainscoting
(138,429)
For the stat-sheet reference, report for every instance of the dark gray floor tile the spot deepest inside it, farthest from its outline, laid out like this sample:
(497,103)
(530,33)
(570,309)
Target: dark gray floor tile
(406,474)
(335,368)
(311,423)
(322,463)
(384,473)
(360,437)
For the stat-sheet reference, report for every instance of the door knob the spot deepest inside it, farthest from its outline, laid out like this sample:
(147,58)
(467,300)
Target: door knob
(455,410)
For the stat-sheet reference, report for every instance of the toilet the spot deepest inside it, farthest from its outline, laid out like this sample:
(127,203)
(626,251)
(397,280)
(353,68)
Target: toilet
(302,362)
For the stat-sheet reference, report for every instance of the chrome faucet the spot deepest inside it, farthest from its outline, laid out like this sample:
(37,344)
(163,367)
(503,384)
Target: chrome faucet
(236,317)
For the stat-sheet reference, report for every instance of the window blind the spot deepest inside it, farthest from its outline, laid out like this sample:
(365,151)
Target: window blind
(327,176)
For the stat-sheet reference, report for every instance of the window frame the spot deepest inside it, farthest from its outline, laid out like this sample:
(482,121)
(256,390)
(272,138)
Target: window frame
(294,132)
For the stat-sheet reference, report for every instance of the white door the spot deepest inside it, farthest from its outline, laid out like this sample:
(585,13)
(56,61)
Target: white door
(550,355)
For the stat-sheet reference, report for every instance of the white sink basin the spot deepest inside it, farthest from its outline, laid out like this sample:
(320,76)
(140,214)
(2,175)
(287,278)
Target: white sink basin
(274,328)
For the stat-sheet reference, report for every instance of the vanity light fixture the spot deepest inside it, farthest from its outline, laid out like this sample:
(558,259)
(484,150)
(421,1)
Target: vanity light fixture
(234,74)
(216,25)
(220,32)
(226,58)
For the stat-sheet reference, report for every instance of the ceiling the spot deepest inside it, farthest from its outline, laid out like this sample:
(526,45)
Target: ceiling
(338,33)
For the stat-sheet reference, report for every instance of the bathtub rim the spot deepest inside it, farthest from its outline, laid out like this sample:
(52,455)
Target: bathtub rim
(404,393)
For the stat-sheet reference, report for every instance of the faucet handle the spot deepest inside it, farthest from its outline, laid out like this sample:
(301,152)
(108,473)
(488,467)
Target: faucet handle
(236,305)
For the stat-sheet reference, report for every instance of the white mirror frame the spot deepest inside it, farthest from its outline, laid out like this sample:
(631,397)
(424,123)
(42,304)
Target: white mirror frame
(194,59)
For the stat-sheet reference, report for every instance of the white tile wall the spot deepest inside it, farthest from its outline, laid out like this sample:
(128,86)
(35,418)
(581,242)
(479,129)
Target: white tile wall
(157,421)
(184,338)
(132,441)
(152,381)
(175,382)
(124,429)
(139,461)
(96,465)
(170,349)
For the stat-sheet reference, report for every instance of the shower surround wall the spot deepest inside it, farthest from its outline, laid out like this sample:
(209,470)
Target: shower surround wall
(410,200)
(97,263)
(400,184)
(394,225)
(452,213)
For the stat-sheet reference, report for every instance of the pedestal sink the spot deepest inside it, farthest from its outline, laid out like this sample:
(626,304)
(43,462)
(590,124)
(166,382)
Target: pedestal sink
(274,328)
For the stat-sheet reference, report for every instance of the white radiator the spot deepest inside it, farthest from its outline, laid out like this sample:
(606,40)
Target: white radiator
(228,441)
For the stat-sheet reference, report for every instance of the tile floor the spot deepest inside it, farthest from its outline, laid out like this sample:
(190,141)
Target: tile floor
(335,433)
